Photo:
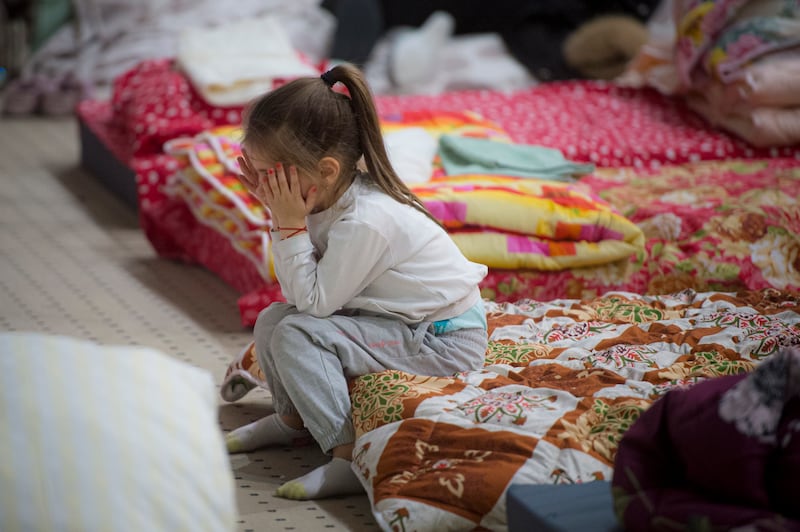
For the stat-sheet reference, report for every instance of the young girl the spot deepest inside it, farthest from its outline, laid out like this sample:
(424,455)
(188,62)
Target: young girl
(372,281)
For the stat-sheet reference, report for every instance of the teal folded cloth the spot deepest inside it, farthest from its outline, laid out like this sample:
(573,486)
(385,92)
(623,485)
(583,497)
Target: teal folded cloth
(469,155)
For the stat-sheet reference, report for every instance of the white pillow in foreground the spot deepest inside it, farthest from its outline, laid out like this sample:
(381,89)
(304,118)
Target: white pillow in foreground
(97,438)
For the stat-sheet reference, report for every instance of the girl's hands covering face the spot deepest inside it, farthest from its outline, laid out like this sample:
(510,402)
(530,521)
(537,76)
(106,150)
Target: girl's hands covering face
(285,196)
(280,192)
(250,177)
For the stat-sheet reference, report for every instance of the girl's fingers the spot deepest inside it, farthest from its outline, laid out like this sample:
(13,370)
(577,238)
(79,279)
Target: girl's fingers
(266,184)
(294,181)
(248,164)
(248,169)
(280,178)
(247,160)
(244,161)
(246,176)
(272,182)
(264,193)
(311,199)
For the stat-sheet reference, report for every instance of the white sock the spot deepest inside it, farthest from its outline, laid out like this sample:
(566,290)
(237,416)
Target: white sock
(414,56)
(270,430)
(334,478)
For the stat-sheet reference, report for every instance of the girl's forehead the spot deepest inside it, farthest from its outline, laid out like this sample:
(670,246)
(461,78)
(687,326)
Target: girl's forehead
(258,156)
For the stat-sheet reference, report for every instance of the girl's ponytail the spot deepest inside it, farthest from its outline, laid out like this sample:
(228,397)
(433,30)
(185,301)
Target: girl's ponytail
(375,156)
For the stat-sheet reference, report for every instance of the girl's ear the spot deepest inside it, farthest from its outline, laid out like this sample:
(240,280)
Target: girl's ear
(329,169)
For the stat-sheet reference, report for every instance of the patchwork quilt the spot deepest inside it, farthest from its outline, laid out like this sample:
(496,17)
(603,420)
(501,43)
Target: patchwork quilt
(562,383)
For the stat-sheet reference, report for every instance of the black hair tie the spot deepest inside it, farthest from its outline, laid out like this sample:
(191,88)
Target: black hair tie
(328,79)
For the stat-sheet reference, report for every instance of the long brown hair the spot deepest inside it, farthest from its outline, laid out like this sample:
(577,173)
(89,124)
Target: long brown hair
(305,120)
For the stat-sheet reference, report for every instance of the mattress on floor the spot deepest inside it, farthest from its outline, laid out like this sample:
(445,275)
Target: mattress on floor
(708,225)
(169,225)
(101,156)
(660,165)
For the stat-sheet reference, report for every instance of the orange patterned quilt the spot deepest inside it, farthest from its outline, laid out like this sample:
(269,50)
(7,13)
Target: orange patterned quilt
(563,381)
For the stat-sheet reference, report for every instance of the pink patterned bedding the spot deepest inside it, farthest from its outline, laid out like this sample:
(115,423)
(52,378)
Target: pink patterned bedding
(714,225)
(711,225)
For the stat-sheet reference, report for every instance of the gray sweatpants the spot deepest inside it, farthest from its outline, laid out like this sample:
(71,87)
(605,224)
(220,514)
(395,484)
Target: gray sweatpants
(307,361)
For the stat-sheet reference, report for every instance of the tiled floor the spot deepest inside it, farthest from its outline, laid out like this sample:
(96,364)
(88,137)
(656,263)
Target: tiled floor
(73,262)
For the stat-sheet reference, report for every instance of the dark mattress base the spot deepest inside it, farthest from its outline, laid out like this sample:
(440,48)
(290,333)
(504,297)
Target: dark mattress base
(98,160)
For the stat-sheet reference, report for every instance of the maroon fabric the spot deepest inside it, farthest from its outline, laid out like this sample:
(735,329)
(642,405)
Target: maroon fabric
(783,471)
(682,465)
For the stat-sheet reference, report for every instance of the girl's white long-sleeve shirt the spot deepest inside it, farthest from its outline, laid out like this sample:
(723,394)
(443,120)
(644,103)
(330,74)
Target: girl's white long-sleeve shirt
(372,253)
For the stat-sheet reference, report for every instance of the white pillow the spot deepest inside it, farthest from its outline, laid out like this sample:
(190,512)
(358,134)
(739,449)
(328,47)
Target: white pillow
(411,151)
(96,438)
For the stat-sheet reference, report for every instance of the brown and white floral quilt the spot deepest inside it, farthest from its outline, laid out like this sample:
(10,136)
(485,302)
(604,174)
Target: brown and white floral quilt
(562,383)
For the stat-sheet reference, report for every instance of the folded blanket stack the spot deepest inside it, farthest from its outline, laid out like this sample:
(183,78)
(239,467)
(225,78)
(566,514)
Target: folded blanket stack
(762,105)
(741,63)
(736,61)
(526,223)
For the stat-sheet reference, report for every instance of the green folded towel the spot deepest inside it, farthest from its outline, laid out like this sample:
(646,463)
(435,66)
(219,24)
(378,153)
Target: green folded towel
(469,155)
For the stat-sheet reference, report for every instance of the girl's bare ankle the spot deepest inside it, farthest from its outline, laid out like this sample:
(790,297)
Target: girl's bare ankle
(295,422)
(343,451)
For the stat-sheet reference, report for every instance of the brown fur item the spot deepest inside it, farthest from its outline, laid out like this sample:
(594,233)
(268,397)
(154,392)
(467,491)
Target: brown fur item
(603,47)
